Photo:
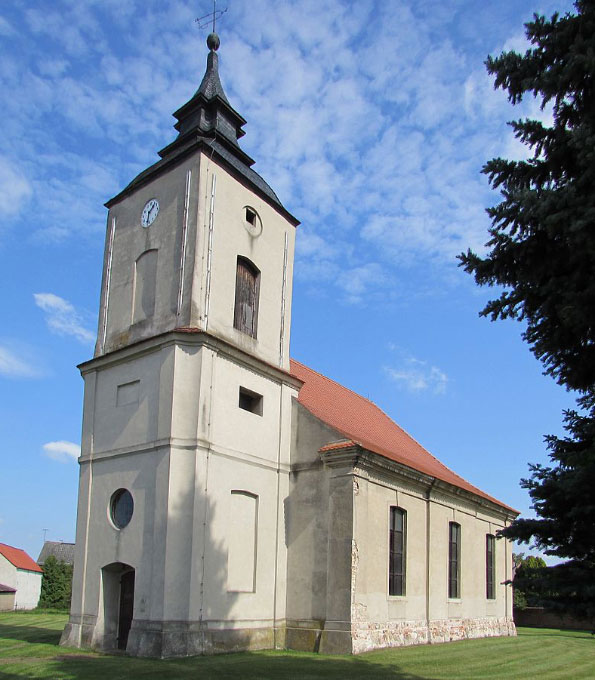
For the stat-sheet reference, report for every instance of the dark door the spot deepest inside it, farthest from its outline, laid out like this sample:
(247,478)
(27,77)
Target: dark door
(126,608)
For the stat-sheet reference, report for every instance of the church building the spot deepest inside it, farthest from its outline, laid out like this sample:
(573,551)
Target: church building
(231,498)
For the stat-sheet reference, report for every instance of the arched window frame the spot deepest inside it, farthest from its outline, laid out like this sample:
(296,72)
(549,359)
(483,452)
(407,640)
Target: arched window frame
(245,316)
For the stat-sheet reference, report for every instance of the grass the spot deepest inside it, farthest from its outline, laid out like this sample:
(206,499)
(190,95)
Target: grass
(29,649)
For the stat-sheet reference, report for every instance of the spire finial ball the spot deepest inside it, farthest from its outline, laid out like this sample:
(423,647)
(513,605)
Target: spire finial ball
(213,42)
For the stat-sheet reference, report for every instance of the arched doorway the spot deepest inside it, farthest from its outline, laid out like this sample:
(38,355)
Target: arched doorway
(118,604)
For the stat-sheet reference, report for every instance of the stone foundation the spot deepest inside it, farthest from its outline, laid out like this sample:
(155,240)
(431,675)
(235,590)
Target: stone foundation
(165,639)
(376,635)
(177,638)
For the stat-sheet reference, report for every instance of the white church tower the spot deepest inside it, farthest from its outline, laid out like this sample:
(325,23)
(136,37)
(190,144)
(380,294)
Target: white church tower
(187,410)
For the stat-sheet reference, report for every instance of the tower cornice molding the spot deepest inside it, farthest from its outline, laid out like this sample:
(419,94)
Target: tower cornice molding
(193,337)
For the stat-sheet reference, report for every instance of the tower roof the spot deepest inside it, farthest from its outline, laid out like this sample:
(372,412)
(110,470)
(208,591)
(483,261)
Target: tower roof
(209,120)
(210,86)
(209,111)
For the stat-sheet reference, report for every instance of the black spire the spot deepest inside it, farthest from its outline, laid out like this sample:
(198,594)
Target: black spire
(209,121)
(209,112)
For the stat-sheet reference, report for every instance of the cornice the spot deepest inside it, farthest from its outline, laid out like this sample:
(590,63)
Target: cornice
(366,464)
(192,337)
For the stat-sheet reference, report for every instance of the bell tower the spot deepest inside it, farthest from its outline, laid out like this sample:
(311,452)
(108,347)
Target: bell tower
(186,420)
(173,232)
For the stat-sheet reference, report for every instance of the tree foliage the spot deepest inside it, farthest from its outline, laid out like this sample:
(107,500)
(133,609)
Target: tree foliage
(56,584)
(542,252)
(542,243)
(527,575)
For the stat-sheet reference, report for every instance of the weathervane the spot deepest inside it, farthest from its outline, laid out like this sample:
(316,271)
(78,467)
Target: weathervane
(204,21)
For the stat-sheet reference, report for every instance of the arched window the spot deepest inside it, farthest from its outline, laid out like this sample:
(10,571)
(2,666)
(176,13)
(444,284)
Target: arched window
(397,551)
(245,314)
(454,560)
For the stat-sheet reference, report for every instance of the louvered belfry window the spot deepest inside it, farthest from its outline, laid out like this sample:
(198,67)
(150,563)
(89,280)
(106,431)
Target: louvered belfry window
(246,304)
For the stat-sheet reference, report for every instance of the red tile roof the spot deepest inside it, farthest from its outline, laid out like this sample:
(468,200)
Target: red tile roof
(19,558)
(362,422)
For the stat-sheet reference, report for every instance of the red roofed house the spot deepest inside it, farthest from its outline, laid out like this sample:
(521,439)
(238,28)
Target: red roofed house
(19,575)
(229,498)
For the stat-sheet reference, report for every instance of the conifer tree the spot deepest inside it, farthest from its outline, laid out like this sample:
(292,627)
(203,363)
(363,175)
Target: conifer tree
(542,252)
(56,584)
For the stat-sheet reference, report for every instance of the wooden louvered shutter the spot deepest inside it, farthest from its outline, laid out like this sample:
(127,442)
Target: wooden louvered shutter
(246,302)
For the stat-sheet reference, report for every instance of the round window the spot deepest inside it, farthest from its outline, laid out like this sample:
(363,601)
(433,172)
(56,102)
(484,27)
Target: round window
(121,508)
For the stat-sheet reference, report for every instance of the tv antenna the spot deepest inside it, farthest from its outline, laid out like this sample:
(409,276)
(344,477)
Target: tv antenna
(204,21)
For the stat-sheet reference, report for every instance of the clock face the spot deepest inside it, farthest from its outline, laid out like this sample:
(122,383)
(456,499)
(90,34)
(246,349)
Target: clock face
(150,212)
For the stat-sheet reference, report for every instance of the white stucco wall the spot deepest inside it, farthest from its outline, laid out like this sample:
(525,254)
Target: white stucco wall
(8,572)
(210,232)
(27,584)
(28,589)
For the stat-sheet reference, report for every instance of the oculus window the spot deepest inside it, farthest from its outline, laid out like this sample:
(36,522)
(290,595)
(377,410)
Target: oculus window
(252,221)
(121,508)
(396,554)
(245,314)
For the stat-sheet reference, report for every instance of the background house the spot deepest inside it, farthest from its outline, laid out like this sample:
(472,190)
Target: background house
(19,571)
(7,595)
(63,552)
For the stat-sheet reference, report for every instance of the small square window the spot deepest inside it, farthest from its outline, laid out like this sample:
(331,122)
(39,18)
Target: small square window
(250,401)
(250,216)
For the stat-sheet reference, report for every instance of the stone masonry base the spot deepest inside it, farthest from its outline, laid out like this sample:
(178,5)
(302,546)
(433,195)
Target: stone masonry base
(376,635)
(164,639)
(174,638)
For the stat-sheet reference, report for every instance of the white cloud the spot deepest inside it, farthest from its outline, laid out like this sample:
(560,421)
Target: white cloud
(415,375)
(62,317)
(356,282)
(370,120)
(517,43)
(15,188)
(62,451)
(13,366)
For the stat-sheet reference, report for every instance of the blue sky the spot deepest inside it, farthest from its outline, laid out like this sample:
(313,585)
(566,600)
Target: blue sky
(371,121)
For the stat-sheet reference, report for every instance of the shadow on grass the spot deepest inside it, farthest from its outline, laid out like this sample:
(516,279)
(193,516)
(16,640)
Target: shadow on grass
(247,666)
(33,634)
(76,664)
(556,632)
(52,661)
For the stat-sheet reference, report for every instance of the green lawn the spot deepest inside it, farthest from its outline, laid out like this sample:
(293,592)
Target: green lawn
(29,649)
